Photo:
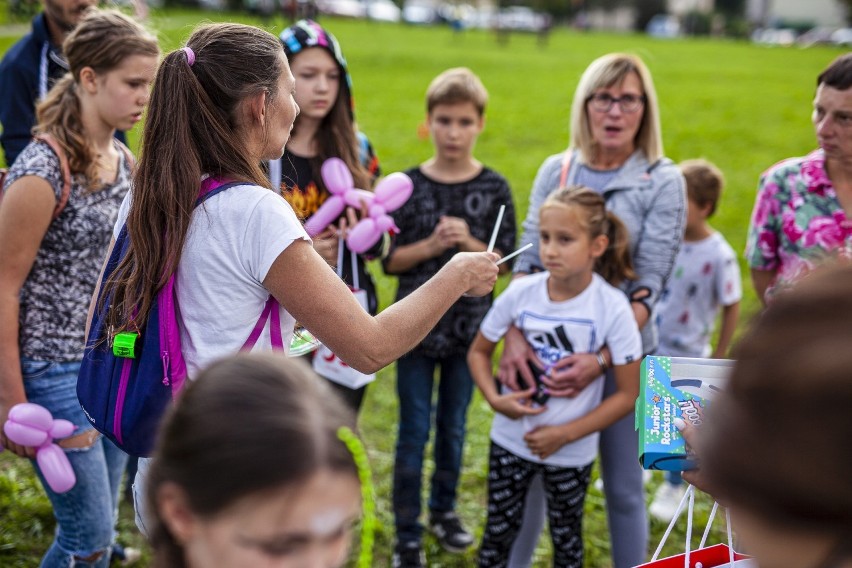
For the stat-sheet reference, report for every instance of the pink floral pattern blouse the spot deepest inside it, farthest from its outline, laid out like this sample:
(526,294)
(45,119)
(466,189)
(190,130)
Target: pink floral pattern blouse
(797,220)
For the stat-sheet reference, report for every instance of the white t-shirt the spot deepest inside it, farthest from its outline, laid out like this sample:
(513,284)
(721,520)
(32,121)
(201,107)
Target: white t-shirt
(705,277)
(233,239)
(599,315)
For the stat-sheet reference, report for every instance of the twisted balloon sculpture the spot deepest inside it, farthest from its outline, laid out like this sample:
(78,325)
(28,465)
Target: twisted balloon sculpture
(390,194)
(32,425)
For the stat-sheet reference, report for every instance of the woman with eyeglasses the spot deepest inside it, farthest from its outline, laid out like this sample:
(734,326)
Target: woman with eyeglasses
(616,149)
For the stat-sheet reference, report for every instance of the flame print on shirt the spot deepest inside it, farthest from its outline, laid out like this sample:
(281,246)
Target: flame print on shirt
(304,202)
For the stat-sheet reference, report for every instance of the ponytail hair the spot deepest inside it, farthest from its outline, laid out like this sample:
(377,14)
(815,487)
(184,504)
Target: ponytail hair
(194,128)
(615,264)
(102,41)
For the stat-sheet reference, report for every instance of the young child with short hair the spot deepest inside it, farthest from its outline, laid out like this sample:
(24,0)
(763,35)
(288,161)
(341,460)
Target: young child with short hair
(705,281)
(571,307)
(454,207)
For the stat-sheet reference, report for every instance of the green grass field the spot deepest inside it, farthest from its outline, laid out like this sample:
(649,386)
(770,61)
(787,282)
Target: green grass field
(741,106)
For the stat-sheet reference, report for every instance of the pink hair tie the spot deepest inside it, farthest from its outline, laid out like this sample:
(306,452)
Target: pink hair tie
(190,55)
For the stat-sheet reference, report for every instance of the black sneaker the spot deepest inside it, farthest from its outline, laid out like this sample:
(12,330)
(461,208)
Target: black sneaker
(450,533)
(408,555)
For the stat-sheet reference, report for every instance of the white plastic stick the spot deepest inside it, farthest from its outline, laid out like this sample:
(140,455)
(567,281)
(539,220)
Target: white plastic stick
(516,253)
(496,228)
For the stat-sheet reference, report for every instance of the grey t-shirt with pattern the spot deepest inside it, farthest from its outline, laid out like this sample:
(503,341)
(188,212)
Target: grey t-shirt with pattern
(56,294)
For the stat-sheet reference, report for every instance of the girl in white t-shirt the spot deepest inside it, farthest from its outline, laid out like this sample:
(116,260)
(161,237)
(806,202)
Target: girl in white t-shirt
(573,307)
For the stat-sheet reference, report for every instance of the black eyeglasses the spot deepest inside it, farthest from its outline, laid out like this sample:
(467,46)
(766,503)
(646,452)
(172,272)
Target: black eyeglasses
(602,102)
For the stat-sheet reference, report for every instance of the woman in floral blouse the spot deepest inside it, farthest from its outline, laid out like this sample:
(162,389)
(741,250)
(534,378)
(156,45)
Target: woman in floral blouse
(803,211)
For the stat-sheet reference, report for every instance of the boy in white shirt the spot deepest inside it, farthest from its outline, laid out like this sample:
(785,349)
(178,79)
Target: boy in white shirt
(705,281)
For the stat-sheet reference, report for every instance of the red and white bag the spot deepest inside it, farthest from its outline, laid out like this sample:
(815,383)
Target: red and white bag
(716,556)
(325,362)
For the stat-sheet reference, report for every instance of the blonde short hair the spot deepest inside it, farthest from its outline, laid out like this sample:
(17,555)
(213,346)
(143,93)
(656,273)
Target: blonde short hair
(604,72)
(456,85)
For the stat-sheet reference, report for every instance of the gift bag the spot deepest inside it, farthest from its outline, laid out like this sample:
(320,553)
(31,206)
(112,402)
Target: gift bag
(326,363)
(716,556)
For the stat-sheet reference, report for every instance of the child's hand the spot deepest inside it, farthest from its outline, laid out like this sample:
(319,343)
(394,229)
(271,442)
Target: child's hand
(326,244)
(453,231)
(543,441)
(513,363)
(437,244)
(571,374)
(354,215)
(516,404)
(5,442)
(347,221)
(693,476)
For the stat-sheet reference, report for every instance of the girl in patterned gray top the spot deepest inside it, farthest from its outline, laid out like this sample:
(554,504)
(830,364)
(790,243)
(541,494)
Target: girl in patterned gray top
(51,251)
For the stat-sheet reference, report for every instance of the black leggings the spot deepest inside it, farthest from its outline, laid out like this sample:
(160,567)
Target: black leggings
(509,479)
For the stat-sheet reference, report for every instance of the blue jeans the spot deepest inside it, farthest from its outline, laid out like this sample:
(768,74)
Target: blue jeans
(674,477)
(85,515)
(415,377)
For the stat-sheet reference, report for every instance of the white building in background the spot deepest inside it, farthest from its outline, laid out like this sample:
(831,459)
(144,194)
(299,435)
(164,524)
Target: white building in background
(682,7)
(760,13)
(763,13)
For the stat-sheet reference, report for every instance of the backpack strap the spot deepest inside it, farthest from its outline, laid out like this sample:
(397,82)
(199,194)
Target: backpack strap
(66,171)
(211,186)
(128,155)
(566,165)
(271,313)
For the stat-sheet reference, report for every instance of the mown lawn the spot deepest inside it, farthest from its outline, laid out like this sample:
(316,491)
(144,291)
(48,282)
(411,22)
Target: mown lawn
(738,105)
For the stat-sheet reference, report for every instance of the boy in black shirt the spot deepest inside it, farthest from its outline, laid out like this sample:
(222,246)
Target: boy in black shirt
(454,208)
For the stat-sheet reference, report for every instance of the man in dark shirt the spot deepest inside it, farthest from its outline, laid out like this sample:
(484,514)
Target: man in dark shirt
(30,68)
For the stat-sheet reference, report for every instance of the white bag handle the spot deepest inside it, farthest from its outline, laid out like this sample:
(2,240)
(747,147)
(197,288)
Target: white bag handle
(689,495)
(356,284)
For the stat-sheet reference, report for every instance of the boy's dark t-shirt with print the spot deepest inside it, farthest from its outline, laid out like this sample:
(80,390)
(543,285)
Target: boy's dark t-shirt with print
(478,202)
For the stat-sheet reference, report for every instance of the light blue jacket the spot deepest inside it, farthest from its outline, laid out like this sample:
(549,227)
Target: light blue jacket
(651,201)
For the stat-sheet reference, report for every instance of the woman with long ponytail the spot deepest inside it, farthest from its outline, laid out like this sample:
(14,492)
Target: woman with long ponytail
(220,107)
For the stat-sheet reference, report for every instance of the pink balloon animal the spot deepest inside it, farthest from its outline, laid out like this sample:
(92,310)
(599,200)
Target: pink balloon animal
(32,425)
(391,193)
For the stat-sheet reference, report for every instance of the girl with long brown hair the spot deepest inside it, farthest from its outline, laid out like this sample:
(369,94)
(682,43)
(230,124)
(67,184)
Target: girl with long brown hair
(50,257)
(325,128)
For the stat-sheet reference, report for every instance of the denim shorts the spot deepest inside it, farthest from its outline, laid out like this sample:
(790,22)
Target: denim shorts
(54,386)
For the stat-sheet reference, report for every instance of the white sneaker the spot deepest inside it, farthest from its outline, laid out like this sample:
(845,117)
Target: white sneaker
(666,500)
